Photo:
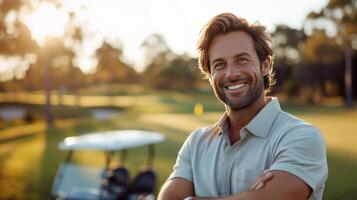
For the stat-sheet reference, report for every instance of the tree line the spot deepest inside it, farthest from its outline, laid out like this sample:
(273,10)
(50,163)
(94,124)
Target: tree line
(311,63)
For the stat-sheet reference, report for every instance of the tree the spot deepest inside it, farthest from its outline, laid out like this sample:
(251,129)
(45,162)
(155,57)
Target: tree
(287,46)
(157,57)
(181,73)
(342,14)
(15,38)
(111,67)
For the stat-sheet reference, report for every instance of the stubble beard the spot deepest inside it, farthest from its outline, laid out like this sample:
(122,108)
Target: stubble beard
(253,93)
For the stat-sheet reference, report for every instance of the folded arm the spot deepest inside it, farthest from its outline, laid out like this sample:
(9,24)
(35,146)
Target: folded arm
(282,186)
(176,189)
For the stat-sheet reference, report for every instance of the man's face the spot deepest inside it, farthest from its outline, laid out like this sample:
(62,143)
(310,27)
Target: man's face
(236,74)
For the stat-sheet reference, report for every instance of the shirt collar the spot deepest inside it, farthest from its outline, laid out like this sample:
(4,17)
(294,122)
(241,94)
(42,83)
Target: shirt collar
(222,123)
(260,125)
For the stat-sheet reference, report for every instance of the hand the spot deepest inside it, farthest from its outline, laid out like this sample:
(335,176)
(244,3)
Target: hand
(260,181)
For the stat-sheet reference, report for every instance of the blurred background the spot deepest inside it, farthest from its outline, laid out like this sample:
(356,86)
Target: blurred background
(72,67)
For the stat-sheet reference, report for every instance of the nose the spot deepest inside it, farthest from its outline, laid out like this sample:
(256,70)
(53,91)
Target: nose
(232,72)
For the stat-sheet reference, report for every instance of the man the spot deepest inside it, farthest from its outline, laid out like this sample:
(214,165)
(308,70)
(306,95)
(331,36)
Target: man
(254,134)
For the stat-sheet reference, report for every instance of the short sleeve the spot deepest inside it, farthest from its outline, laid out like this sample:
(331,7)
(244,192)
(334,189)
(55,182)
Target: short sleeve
(183,165)
(302,152)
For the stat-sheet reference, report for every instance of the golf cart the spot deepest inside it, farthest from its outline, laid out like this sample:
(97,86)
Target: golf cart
(81,182)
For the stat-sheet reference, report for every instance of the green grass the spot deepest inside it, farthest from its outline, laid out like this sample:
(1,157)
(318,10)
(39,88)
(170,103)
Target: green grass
(341,183)
(29,156)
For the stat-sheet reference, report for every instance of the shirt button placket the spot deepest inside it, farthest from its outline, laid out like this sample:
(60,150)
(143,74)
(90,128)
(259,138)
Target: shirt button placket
(227,171)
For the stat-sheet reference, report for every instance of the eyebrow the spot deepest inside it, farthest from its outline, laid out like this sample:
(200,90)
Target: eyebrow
(217,60)
(236,56)
(242,54)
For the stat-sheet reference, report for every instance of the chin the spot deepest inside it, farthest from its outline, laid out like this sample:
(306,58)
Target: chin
(239,106)
(239,103)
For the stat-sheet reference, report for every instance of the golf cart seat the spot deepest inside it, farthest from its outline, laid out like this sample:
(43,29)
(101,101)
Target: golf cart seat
(116,183)
(144,182)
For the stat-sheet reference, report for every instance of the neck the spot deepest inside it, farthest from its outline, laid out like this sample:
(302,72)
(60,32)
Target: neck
(240,118)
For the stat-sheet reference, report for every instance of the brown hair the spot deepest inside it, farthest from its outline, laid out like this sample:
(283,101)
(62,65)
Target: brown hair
(227,22)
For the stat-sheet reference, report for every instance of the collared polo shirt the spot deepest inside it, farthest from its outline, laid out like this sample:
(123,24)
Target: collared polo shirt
(273,140)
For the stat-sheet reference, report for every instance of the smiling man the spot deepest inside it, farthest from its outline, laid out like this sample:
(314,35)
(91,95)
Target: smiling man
(230,159)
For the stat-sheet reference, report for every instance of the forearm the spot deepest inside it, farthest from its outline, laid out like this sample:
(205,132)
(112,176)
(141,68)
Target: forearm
(240,196)
(258,195)
(283,186)
(176,189)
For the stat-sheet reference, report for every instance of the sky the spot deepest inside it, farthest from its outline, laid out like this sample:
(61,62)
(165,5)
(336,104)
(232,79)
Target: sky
(179,21)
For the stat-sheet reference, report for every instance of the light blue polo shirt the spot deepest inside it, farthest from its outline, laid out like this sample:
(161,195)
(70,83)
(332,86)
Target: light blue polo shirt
(273,140)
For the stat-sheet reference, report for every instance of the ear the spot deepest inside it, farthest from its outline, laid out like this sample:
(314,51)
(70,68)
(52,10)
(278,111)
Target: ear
(266,66)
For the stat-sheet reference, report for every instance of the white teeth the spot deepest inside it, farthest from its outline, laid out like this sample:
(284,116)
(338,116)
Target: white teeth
(234,87)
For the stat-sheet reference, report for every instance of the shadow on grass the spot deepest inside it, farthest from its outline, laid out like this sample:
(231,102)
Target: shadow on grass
(51,159)
(17,138)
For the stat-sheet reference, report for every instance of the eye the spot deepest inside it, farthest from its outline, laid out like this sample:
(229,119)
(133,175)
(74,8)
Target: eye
(219,66)
(241,60)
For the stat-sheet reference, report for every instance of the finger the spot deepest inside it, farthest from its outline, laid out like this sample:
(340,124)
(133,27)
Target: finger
(260,186)
(255,184)
(257,178)
(262,179)
(256,181)
(266,177)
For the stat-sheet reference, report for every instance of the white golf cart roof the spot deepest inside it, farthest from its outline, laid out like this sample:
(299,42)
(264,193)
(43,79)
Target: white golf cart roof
(111,140)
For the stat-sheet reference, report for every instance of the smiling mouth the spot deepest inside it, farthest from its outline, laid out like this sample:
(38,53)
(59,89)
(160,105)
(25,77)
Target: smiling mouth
(235,86)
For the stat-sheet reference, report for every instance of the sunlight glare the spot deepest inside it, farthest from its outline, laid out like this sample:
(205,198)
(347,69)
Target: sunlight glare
(46,21)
